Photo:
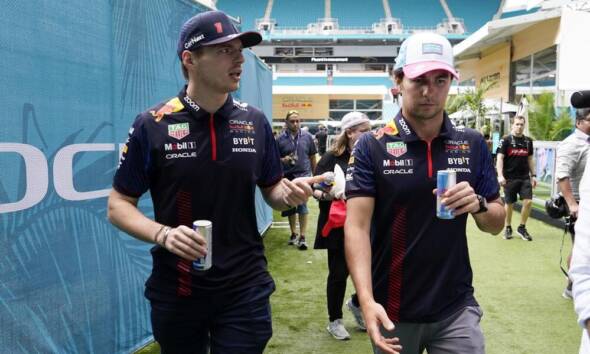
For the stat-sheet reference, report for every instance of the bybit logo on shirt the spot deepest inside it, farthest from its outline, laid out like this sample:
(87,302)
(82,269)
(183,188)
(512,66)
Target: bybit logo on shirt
(243,145)
(244,141)
(458,161)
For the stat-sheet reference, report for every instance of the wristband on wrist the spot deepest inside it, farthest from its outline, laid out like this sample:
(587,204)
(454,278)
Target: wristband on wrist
(165,236)
(158,233)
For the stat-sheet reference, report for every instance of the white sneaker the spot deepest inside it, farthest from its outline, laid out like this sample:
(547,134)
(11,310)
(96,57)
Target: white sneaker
(337,330)
(301,244)
(358,315)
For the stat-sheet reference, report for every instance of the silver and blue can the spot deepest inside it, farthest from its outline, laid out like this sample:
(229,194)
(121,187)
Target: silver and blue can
(445,179)
(205,229)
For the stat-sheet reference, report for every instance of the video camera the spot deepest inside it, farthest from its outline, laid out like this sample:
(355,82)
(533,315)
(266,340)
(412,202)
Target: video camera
(580,99)
(556,207)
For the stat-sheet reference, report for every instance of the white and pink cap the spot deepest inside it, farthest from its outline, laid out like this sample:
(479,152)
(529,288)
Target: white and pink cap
(424,52)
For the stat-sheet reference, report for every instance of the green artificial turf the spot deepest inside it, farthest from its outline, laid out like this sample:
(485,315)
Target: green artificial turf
(517,283)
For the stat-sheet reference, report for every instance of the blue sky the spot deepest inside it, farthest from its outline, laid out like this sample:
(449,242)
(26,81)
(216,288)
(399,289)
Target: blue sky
(413,13)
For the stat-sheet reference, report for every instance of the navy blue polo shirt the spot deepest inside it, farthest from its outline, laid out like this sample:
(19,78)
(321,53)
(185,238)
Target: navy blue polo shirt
(199,165)
(420,263)
(305,147)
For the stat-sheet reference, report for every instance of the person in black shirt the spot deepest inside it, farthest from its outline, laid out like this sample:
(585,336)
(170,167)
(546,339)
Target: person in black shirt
(353,125)
(516,173)
(200,155)
(321,137)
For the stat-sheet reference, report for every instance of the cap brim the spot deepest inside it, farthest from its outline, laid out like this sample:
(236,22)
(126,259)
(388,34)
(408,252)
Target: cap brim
(412,71)
(249,39)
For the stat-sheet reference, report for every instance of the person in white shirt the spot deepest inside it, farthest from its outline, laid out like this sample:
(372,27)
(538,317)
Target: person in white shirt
(572,153)
(580,266)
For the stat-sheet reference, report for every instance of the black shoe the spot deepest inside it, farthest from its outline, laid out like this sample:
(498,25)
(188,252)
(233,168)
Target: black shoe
(292,240)
(524,233)
(301,244)
(508,233)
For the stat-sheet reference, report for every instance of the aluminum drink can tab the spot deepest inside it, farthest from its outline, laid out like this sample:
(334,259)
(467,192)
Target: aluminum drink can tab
(445,179)
(205,229)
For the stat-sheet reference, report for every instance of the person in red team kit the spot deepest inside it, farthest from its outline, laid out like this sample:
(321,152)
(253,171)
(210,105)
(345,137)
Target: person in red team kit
(412,274)
(201,155)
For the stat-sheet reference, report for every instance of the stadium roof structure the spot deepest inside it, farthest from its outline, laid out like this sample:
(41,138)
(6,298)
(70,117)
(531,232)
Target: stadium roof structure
(526,13)
(343,37)
(498,31)
(327,28)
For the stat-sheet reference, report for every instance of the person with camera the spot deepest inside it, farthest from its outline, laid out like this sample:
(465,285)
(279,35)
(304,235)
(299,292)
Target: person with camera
(297,150)
(516,173)
(572,153)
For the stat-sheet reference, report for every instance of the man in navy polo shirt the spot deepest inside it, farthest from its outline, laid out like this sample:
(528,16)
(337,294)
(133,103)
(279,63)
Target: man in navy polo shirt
(298,151)
(415,272)
(201,155)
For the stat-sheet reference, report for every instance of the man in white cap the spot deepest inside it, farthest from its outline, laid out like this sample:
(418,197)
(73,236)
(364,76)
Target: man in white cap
(413,276)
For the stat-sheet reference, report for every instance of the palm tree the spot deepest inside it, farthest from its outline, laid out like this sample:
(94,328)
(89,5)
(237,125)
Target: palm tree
(544,123)
(472,101)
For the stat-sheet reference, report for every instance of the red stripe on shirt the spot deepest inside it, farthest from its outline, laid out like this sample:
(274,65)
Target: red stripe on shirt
(398,252)
(213,139)
(183,267)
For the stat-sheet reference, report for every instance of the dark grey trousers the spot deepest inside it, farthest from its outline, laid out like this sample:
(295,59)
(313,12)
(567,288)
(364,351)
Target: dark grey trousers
(460,333)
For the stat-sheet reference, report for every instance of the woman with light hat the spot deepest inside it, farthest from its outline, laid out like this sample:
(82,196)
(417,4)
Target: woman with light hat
(353,125)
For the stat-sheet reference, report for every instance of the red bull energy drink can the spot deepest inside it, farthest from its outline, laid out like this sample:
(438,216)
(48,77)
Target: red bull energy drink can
(445,179)
(205,229)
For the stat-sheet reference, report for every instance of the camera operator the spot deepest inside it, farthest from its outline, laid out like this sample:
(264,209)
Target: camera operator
(297,150)
(571,159)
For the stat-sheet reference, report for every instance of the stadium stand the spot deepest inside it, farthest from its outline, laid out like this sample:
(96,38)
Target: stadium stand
(344,56)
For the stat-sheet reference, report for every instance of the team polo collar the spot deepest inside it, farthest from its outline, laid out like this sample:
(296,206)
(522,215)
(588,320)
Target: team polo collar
(199,113)
(448,129)
(408,134)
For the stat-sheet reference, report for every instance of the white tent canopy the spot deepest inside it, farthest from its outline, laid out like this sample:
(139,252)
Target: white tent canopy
(493,107)
(337,123)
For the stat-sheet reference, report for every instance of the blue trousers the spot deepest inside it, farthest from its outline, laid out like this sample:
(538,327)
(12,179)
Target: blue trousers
(237,322)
